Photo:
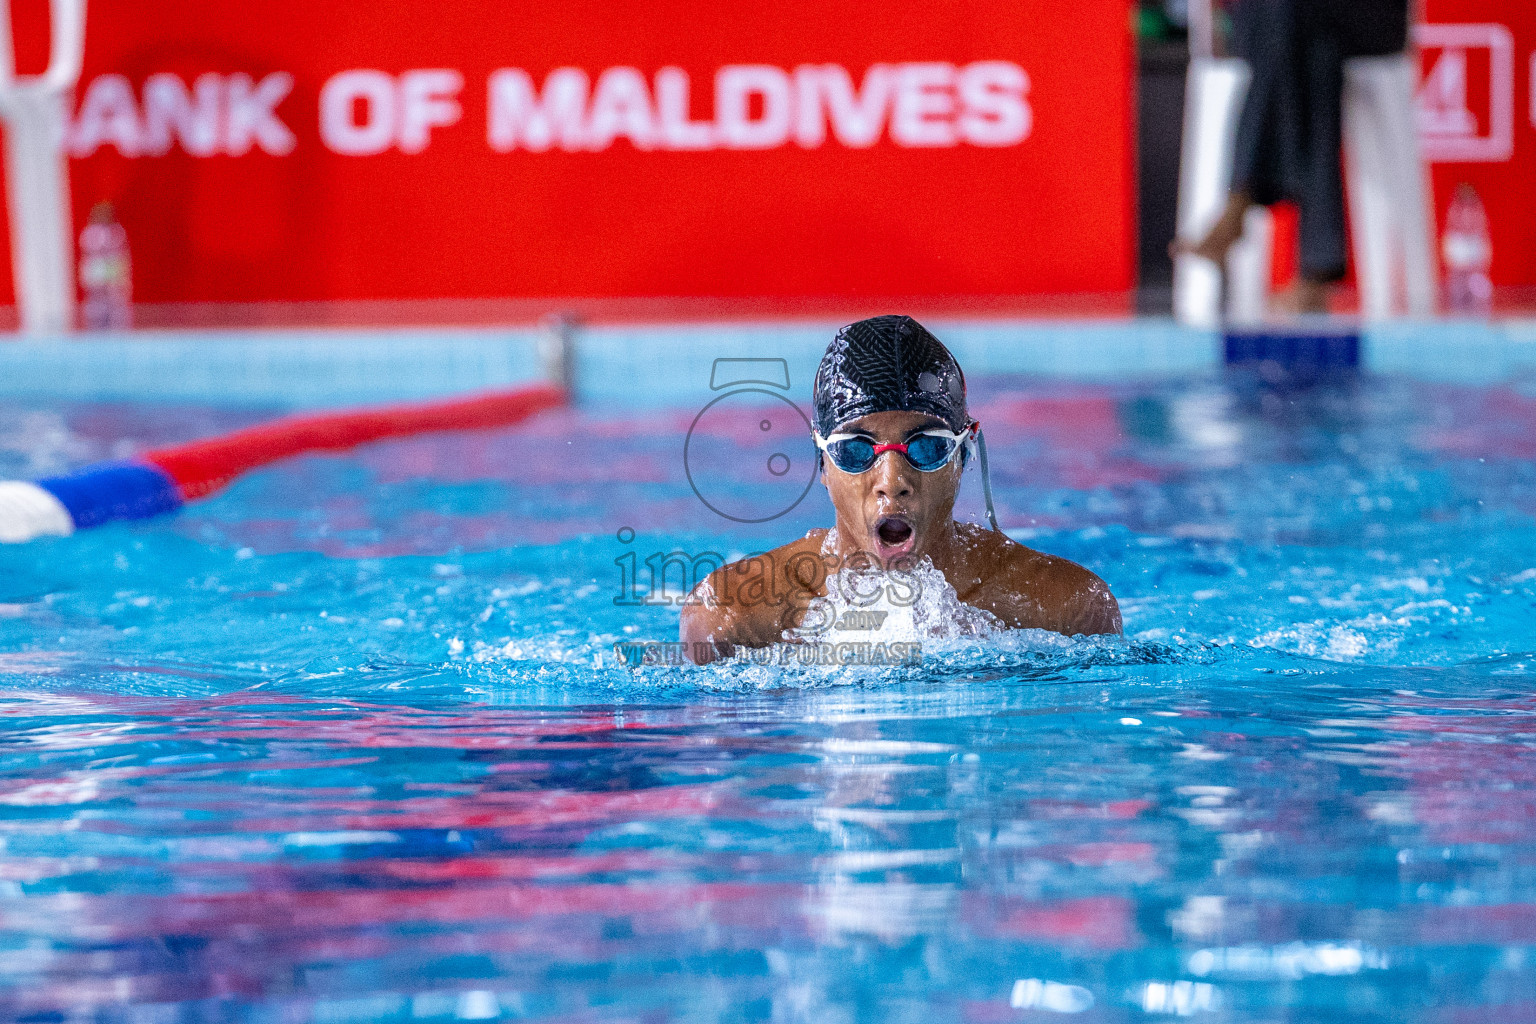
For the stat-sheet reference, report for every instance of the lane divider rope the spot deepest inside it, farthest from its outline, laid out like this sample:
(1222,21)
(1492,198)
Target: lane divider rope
(161,481)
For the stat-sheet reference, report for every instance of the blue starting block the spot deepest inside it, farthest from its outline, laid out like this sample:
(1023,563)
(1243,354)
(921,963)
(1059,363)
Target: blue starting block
(1293,357)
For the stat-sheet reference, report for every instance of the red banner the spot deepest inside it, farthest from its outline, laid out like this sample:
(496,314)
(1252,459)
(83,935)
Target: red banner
(1477,119)
(302,151)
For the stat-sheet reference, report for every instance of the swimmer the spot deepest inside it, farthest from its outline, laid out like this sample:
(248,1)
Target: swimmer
(894,435)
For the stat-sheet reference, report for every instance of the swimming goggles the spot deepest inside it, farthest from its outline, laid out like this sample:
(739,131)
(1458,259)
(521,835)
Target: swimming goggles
(927,451)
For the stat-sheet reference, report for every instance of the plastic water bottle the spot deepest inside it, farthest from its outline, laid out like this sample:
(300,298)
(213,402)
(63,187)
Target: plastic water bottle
(1468,253)
(105,276)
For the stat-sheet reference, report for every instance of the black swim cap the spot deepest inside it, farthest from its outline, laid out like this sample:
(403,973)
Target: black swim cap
(887,363)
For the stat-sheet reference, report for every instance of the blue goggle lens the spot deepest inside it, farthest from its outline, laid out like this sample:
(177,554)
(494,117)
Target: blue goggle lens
(928,453)
(852,456)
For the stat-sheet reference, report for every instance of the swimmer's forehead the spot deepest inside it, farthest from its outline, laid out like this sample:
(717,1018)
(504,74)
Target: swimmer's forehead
(892,423)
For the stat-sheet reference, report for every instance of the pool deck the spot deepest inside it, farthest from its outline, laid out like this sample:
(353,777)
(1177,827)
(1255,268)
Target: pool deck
(664,365)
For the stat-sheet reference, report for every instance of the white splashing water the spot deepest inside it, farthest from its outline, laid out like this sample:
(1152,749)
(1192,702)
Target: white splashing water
(894,607)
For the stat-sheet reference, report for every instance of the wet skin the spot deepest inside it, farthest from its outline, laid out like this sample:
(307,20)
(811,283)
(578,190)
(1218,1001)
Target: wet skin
(893,516)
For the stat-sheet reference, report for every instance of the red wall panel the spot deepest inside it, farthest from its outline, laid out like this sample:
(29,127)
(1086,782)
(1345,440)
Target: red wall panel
(1040,209)
(1484,125)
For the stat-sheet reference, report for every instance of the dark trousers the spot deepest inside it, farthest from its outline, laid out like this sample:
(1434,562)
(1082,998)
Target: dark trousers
(1290,134)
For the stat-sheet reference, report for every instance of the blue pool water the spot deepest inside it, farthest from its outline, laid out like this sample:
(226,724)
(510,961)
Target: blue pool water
(350,740)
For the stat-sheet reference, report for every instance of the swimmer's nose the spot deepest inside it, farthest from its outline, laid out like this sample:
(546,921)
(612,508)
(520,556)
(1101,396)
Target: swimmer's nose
(890,473)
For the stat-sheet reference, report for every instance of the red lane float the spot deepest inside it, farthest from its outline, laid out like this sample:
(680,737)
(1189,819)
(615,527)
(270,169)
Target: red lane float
(202,467)
(162,481)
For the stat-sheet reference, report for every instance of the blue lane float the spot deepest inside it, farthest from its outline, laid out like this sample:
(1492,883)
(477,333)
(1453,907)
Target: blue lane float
(114,490)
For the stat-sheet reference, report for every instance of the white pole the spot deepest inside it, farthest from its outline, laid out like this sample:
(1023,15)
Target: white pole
(1202,30)
(1213,102)
(1208,97)
(1389,190)
(1248,268)
(36,113)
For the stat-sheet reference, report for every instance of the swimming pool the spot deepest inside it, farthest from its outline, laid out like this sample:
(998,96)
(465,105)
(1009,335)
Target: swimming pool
(351,741)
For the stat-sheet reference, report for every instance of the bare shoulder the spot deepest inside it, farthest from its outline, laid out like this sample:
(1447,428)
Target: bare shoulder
(793,562)
(1030,589)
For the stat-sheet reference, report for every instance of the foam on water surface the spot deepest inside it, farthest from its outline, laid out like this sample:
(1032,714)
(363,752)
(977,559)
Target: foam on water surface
(914,605)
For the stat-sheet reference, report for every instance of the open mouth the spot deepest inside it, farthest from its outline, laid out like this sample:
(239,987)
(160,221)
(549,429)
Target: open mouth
(894,536)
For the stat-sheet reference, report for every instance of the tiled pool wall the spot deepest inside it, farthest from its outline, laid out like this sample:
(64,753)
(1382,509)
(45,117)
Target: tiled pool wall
(667,365)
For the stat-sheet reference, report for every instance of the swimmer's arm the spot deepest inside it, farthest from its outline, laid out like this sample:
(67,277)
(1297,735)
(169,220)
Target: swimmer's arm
(1059,595)
(1094,610)
(720,616)
(713,629)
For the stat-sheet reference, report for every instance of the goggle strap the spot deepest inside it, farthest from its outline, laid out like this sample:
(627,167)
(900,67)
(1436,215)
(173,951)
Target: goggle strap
(986,478)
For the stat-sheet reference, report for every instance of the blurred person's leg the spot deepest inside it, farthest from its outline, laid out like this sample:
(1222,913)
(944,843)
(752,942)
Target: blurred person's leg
(1263,159)
(1290,135)
(1328,33)
(1369,28)
(1320,185)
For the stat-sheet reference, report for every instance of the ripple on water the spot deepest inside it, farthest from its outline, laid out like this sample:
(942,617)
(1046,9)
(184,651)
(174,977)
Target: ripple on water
(352,740)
